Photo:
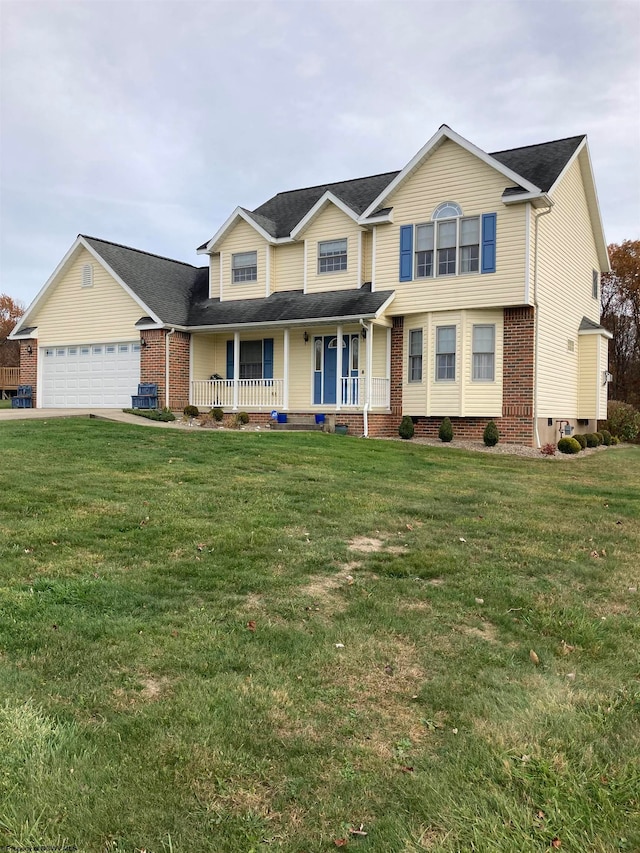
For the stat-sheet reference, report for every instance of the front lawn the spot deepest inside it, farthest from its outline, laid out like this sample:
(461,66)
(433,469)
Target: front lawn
(212,641)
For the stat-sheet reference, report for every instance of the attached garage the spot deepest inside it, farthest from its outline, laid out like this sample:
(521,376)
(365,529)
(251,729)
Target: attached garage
(104,375)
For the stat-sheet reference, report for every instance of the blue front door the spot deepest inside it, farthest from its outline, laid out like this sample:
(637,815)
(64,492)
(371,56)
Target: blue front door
(325,368)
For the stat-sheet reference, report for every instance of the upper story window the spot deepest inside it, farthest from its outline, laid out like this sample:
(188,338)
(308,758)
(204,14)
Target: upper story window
(450,244)
(87,275)
(244,266)
(332,256)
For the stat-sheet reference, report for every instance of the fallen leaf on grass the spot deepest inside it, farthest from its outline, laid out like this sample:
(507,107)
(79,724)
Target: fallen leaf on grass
(360,830)
(251,625)
(555,843)
(340,842)
(533,657)
(566,649)
(595,555)
(406,769)
(144,521)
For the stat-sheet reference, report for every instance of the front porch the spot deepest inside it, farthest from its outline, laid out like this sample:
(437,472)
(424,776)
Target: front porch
(295,370)
(269,394)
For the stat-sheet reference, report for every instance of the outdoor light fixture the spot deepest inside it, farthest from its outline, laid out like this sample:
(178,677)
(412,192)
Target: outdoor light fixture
(29,349)
(306,336)
(364,334)
(143,343)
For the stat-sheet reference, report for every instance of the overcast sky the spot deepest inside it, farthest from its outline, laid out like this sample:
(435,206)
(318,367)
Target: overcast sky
(147,123)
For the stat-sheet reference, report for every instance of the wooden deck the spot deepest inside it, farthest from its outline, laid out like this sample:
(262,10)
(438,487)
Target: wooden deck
(9,380)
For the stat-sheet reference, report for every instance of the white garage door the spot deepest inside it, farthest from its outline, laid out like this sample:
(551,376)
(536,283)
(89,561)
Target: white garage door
(101,375)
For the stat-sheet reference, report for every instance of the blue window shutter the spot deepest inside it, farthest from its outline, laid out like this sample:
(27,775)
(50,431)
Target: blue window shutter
(229,359)
(488,242)
(406,252)
(267,358)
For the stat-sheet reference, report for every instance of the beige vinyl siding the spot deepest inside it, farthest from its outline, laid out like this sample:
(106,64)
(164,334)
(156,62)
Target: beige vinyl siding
(72,314)
(287,269)
(380,360)
(367,242)
(214,276)
(301,368)
(204,357)
(566,260)
(462,396)
(603,365)
(332,224)
(592,390)
(453,174)
(243,238)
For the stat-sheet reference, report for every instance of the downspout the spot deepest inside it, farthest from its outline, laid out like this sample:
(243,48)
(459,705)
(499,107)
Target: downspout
(166,367)
(536,321)
(365,409)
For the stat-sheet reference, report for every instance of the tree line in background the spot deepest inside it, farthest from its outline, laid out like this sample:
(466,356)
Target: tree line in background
(10,313)
(620,314)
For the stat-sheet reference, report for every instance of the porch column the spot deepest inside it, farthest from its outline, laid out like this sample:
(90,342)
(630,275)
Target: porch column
(338,368)
(369,366)
(285,390)
(388,371)
(236,368)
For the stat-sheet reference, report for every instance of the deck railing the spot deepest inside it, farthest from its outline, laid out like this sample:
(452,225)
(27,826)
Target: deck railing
(252,393)
(380,392)
(9,378)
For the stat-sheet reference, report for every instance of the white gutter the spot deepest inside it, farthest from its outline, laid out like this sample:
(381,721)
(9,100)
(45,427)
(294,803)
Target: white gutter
(536,321)
(368,328)
(166,367)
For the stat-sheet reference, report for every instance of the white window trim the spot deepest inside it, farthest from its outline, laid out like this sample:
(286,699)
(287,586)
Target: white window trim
(436,230)
(345,255)
(409,357)
(473,354)
(235,269)
(455,353)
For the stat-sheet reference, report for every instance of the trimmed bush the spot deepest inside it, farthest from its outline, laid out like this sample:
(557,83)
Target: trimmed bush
(615,440)
(548,450)
(623,420)
(606,437)
(491,436)
(191,411)
(568,445)
(406,428)
(581,439)
(445,433)
(592,439)
(217,413)
(152,414)
(600,437)
(243,418)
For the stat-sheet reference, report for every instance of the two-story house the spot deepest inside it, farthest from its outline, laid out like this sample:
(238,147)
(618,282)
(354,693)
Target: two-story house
(465,285)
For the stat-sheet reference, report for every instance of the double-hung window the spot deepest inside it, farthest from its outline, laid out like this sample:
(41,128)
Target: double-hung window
(445,353)
(244,266)
(250,359)
(332,256)
(447,247)
(484,353)
(470,245)
(424,251)
(415,355)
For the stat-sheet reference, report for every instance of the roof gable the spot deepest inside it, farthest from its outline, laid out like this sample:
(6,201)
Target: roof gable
(540,164)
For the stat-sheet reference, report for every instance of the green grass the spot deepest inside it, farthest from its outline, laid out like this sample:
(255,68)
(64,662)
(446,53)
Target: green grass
(193,658)
(5,404)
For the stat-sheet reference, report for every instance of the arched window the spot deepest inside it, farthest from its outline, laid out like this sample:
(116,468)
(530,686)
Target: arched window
(447,210)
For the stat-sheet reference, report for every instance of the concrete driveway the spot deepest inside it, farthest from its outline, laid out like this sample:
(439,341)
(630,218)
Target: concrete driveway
(103,414)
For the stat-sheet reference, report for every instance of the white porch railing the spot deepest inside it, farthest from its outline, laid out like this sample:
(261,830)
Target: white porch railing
(268,394)
(252,393)
(380,392)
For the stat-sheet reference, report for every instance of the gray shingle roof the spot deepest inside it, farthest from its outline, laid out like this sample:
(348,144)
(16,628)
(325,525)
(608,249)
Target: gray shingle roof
(164,285)
(587,325)
(286,209)
(540,164)
(292,305)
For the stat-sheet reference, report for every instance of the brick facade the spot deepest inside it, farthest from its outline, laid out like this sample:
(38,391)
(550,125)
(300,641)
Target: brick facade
(153,356)
(29,365)
(397,366)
